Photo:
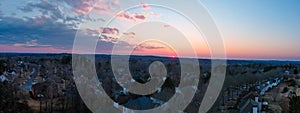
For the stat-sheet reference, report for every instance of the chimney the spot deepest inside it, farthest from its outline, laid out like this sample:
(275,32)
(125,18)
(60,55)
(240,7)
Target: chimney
(256,99)
(254,110)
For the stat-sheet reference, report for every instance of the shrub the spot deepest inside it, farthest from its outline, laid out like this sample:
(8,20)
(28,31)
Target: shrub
(294,106)
(285,89)
(292,83)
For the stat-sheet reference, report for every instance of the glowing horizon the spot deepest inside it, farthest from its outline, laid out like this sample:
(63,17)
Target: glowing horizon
(250,30)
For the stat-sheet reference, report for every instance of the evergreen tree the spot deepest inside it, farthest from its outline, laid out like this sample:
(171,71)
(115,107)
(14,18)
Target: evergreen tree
(294,104)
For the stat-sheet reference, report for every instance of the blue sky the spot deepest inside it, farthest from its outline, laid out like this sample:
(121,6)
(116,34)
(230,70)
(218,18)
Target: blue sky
(251,29)
(263,26)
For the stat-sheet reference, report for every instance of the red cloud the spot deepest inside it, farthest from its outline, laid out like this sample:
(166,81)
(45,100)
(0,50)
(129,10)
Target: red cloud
(139,16)
(125,16)
(132,17)
(145,6)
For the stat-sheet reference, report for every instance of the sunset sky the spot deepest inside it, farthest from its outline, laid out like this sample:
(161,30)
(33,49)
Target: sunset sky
(251,29)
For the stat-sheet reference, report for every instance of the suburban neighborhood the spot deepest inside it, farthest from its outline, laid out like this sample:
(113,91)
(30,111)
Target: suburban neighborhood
(45,83)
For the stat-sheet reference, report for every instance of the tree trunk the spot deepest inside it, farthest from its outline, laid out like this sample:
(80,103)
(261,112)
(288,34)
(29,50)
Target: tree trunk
(40,106)
(46,106)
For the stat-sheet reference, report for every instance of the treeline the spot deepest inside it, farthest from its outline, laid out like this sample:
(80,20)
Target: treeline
(9,103)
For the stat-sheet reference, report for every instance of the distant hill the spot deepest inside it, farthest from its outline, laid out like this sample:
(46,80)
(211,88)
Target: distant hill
(229,62)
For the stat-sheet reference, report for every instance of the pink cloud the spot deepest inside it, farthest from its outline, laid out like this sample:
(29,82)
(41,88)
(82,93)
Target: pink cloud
(109,34)
(132,17)
(153,14)
(83,10)
(145,6)
(105,34)
(100,6)
(150,46)
(167,25)
(125,15)
(81,6)
(139,16)
(32,43)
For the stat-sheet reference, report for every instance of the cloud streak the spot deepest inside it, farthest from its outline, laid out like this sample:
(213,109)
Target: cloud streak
(11,48)
(71,11)
(129,33)
(32,43)
(16,30)
(149,46)
(52,25)
(142,16)
(131,17)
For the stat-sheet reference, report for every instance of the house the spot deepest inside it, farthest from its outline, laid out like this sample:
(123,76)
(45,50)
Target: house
(157,101)
(3,78)
(126,110)
(248,106)
(287,72)
(158,90)
(47,88)
(141,103)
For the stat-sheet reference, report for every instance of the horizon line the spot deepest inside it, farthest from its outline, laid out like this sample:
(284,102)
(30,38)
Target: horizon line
(227,58)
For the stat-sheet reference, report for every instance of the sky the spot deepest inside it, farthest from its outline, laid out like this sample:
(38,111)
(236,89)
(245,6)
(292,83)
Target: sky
(250,29)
